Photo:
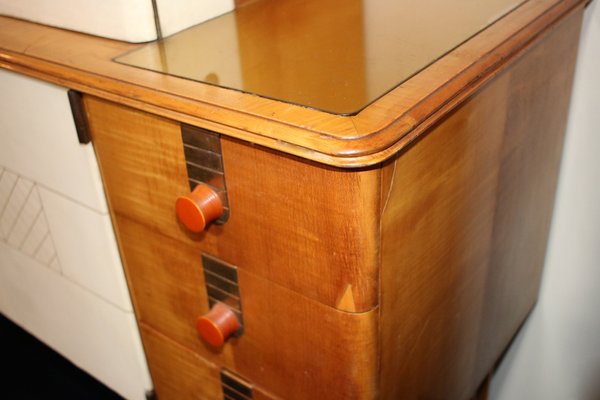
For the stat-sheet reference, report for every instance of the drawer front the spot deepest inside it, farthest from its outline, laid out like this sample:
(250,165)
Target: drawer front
(292,346)
(303,239)
(179,373)
(311,229)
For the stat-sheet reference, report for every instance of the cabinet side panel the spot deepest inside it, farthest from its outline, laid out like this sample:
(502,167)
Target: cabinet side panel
(531,153)
(465,226)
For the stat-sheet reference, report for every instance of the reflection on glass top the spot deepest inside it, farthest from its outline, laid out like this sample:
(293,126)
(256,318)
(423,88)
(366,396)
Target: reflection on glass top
(332,55)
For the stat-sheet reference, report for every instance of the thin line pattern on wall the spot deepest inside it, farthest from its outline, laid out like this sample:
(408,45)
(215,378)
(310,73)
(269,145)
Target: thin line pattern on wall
(23,223)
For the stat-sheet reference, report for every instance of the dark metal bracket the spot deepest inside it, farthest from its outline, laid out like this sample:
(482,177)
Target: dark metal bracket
(78,111)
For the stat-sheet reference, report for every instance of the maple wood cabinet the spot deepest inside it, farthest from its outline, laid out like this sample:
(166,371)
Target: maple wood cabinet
(391,253)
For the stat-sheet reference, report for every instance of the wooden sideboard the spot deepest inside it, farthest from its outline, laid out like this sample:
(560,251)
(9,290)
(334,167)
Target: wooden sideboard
(392,253)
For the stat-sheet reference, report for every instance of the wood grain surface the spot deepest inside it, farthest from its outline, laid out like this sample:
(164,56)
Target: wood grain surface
(286,223)
(464,214)
(403,279)
(293,346)
(306,255)
(373,135)
(180,374)
(465,224)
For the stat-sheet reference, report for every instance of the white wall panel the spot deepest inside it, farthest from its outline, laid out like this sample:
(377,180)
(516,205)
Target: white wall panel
(128,20)
(61,276)
(97,336)
(39,142)
(86,247)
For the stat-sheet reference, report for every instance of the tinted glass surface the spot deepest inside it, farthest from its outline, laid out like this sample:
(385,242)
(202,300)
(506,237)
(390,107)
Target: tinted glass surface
(333,55)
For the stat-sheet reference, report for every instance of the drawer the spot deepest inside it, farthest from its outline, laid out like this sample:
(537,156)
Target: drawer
(306,255)
(179,373)
(283,331)
(286,223)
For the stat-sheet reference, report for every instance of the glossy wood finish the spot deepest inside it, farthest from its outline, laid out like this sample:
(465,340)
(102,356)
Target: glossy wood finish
(454,228)
(465,225)
(306,260)
(177,372)
(405,279)
(373,135)
(180,374)
(294,346)
(288,227)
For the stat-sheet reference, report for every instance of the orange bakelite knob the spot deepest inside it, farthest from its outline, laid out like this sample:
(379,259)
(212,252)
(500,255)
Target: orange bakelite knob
(199,208)
(217,325)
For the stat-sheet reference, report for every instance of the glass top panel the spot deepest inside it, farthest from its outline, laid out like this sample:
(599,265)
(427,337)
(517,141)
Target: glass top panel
(333,55)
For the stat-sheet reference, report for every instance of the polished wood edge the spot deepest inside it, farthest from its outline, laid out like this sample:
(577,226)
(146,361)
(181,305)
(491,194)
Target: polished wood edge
(478,70)
(176,108)
(373,135)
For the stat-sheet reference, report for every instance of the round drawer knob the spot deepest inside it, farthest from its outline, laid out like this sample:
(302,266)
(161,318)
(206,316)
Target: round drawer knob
(199,208)
(217,325)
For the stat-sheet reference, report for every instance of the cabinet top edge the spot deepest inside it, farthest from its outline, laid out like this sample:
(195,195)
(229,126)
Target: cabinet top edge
(85,63)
